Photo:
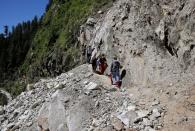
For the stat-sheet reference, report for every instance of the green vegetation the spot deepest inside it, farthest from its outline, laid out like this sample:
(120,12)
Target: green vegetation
(54,47)
(57,39)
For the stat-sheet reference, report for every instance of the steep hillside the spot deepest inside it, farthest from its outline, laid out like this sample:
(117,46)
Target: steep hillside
(154,41)
(54,48)
(79,101)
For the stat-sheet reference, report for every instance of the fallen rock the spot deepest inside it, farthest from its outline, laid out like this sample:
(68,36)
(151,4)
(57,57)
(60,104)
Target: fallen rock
(131,108)
(156,113)
(147,122)
(52,114)
(92,86)
(1,110)
(148,128)
(130,129)
(109,128)
(37,103)
(78,115)
(29,124)
(128,118)
(91,21)
(85,82)
(10,126)
(156,102)
(117,124)
(100,12)
(142,113)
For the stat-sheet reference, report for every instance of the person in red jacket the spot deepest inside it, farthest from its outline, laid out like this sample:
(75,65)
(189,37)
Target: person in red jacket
(102,63)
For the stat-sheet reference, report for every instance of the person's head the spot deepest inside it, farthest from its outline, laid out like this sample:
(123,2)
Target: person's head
(103,55)
(115,57)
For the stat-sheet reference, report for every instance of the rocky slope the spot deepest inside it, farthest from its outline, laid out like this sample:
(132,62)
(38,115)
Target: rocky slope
(80,101)
(154,41)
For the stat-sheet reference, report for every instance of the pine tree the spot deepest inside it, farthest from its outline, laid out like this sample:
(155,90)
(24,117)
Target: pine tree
(6,30)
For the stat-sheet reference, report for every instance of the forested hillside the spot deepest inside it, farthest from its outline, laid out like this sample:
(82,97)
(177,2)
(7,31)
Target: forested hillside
(45,47)
(15,45)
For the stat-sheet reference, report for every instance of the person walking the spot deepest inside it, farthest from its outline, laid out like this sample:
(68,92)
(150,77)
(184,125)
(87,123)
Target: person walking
(115,72)
(102,64)
(89,53)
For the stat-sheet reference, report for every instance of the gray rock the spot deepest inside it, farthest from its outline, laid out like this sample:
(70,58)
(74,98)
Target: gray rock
(128,117)
(148,128)
(92,86)
(89,74)
(29,124)
(131,107)
(117,124)
(142,113)
(156,113)
(100,12)
(156,102)
(10,125)
(1,110)
(85,82)
(37,103)
(91,21)
(109,128)
(77,116)
(147,122)
(52,114)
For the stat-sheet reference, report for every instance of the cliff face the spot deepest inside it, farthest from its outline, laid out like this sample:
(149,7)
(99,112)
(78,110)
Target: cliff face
(154,40)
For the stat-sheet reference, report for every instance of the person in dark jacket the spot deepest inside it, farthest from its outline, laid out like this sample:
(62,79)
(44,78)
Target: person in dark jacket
(89,53)
(115,72)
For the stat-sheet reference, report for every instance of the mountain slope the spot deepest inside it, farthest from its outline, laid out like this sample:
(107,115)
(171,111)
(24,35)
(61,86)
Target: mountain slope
(154,41)
(54,48)
(75,101)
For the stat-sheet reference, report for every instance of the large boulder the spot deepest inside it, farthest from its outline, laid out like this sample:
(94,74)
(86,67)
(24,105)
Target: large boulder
(52,114)
(79,115)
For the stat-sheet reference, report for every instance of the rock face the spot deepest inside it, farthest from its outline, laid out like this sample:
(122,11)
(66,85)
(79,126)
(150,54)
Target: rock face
(154,40)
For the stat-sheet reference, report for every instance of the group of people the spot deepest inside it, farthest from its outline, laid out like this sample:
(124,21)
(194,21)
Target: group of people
(99,65)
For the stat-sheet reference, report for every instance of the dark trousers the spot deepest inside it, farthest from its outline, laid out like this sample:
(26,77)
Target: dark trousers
(88,58)
(94,65)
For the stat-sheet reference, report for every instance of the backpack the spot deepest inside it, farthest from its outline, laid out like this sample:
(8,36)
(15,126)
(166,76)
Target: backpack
(115,66)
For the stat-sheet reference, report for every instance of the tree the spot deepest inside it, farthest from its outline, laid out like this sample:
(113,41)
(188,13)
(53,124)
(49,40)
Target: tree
(6,30)
(48,5)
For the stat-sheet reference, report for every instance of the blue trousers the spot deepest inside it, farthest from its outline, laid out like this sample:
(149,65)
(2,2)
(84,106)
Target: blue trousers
(115,77)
